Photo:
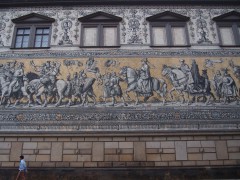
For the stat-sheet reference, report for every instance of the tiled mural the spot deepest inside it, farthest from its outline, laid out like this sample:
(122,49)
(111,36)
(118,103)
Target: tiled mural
(119,82)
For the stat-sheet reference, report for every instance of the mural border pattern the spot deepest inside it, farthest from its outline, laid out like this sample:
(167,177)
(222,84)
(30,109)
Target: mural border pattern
(121,53)
(87,120)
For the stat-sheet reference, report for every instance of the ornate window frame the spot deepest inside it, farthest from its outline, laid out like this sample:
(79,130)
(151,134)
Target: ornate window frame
(32,22)
(230,20)
(168,20)
(100,20)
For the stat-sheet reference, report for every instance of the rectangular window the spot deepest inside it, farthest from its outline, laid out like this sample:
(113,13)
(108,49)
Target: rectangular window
(22,38)
(99,35)
(33,36)
(169,34)
(159,36)
(90,36)
(227,36)
(178,36)
(42,37)
(109,36)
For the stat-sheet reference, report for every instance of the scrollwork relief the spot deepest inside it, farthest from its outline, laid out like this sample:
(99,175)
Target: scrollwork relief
(134,29)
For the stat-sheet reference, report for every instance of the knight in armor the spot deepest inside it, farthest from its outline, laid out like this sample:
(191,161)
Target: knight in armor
(17,79)
(53,73)
(48,74)
(144,82)
(186,70)
(44,70)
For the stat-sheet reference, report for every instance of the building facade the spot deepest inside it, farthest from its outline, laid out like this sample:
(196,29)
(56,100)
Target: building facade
(120,86)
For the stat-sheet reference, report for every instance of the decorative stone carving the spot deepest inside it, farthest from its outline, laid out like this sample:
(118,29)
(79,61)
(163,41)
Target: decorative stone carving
(133,30)
(66,25)
(134,27)
(201,27)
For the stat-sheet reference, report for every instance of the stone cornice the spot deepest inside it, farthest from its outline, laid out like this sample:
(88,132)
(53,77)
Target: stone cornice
(120,53)
(21,3)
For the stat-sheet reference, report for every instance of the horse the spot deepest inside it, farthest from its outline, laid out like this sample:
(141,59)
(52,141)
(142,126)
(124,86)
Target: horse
(180,84)
(131,76)
(18,92)
(179,81)
(37,88)
(235,69)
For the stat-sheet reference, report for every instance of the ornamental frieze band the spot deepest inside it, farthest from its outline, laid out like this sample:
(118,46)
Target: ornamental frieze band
(120,53)
(122,119)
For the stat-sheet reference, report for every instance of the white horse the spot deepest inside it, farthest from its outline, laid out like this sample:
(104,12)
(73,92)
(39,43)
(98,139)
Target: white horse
(179,81)
(158,85)
(180,84)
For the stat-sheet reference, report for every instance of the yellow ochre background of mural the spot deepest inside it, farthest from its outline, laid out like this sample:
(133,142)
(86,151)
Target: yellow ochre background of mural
(156,66)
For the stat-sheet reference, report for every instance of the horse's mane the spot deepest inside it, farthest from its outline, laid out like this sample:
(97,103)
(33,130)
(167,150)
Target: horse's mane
(31,76)
(131,74)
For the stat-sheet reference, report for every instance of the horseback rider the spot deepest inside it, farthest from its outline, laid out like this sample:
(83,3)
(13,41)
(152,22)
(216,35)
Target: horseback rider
(53,73)
(48,73)
(44,74)
(186,70)
(144,81)
(192,77)
(17,78)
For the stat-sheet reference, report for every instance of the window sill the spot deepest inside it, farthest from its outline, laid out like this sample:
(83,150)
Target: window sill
(99,46)
(30,48)
(230,46)
(169,46)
